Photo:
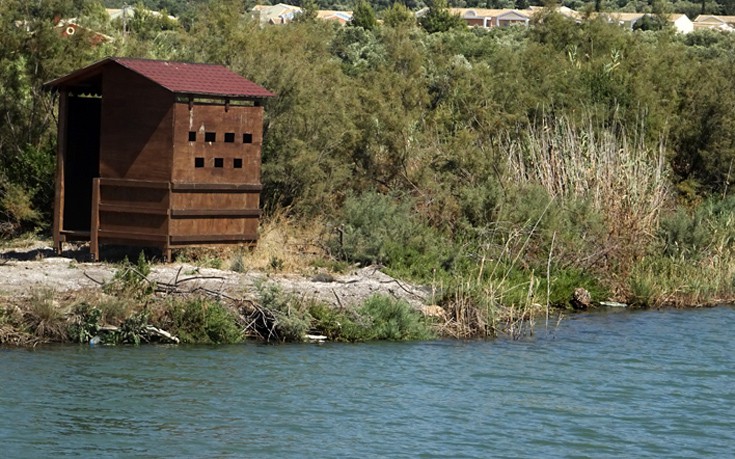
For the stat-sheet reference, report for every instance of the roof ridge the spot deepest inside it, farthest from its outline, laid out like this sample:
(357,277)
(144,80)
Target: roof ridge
(178,77)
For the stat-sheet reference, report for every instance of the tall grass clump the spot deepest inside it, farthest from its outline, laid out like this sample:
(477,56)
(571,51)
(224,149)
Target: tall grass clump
(607,166)
(45,318)
(693,262)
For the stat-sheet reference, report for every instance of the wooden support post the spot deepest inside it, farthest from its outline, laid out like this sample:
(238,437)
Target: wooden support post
(94,246)
(167,245)
(60,163)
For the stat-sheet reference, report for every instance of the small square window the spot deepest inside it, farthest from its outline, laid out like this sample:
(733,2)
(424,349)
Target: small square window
(247,137)
(229,137)
(219,162)
(237,163)
(192,136)
(210,136)
(198,162)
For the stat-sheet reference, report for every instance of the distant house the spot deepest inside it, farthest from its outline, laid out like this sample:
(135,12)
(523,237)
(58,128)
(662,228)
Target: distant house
(680,22)
(488,18)
(708,21)
(343,17)
(69,28)
(283,13)
(128,12)
(157,153)
(280,13)
(563,10)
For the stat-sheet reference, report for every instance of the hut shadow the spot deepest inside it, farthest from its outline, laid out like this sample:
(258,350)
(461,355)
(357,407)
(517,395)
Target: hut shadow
(80,253)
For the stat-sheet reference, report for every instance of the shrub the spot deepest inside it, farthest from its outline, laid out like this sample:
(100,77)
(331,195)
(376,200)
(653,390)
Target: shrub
(395,320)
(202,321)
(85,323)
(706,231)
(338,325)
(131,280)
(16,206)
(382,229)
(288,318)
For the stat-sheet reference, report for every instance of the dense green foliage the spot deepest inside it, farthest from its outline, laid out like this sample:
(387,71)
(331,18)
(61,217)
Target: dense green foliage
(529,160)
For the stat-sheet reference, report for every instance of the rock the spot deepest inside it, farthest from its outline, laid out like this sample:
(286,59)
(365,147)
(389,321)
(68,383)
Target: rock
(581,299)
(323,277)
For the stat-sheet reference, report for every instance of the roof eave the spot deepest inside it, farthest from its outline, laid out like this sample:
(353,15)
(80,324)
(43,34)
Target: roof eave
(64,81)
(218,95)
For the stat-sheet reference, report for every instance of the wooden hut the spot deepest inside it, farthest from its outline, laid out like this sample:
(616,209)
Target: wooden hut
(157,153)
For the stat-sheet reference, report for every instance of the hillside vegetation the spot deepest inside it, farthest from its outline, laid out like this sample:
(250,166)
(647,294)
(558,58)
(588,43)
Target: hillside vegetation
(504,167)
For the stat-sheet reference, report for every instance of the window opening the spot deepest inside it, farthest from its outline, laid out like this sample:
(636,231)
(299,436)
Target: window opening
(229,137)
(198,162)
(247,137)
(192,136)
(237,163)
(219,162)
(210,136)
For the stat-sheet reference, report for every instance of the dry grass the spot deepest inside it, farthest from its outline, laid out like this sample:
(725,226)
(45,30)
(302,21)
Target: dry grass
(45,317)
(284,245)
(623,178)
(491,303)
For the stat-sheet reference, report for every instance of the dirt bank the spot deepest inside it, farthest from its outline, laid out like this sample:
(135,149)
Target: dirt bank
(26,270)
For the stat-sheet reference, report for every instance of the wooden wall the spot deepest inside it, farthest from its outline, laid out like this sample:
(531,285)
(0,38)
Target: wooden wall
(236,122)
(216,183)
(136,131)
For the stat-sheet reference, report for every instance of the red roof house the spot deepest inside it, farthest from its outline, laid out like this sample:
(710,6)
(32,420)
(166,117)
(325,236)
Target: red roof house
(157,153)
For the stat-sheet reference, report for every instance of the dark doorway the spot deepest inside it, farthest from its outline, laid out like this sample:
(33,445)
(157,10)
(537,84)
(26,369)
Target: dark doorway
(82,160)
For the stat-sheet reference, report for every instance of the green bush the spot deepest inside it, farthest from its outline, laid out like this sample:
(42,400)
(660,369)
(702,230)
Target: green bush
(381,229)
(85,323)
(338,325)
(703,232)
(131,280)
(202,321)
(289,317)
(394,320)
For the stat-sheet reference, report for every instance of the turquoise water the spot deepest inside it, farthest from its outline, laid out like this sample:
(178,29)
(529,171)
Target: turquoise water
(619,384)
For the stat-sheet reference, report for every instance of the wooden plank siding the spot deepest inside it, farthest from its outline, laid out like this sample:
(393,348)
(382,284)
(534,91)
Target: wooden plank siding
(136,138)
(60,163)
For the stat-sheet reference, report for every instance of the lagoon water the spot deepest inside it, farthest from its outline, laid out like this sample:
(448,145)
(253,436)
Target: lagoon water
(616,384)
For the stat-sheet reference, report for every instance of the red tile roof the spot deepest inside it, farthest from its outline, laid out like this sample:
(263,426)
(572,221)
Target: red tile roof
(182,77)
(177,77)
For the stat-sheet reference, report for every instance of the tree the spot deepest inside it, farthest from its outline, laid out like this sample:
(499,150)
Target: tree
(309,11)
(363,16)
(399,16)
(33,51)
(439,19)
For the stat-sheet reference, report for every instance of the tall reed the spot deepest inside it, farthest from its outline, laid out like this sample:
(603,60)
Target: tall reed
(623,177)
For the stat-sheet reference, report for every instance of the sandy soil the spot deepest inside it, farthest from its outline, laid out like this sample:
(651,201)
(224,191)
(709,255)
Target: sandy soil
(33,268)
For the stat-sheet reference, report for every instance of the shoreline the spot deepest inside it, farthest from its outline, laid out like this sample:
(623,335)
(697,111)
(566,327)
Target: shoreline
(51,299)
